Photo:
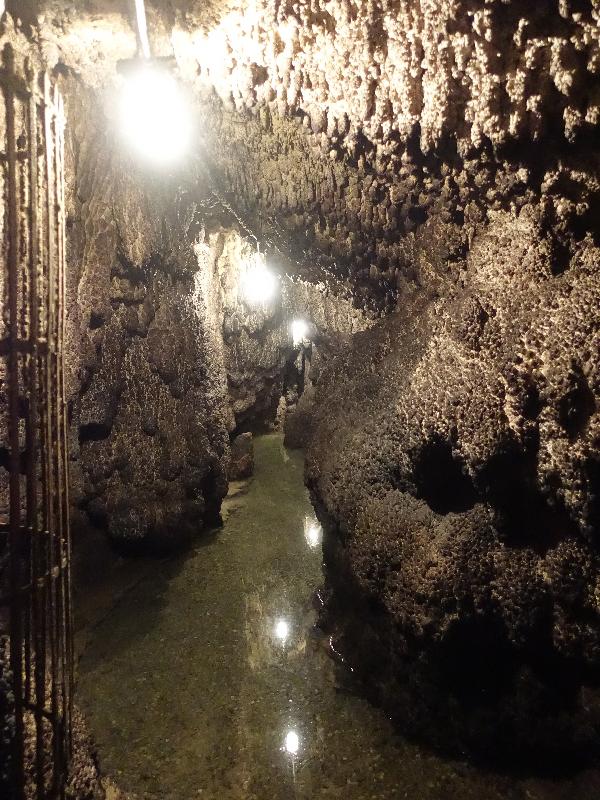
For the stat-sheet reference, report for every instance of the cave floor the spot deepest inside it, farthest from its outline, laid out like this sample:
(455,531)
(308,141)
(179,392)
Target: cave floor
(190,692)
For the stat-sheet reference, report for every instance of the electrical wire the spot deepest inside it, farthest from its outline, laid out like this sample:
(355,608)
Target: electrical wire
(142,27)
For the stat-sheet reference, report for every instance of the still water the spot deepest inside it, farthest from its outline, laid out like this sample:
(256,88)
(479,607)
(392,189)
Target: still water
(203,676)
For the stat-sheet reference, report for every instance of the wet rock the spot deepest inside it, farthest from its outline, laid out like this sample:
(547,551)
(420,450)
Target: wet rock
(150,408)
(453,459)
(242,457)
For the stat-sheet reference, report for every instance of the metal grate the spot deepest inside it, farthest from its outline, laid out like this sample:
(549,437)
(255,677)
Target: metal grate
(35,592)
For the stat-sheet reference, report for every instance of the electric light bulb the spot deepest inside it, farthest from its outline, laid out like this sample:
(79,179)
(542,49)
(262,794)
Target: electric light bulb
(299,331)
(155,115)
(258,282)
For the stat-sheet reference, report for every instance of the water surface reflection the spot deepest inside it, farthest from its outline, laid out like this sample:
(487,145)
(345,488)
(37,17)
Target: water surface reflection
(208,679)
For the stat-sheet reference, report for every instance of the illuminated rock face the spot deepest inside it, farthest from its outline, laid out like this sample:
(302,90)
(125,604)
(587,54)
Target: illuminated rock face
(150,410)
(258,343)
(167,360)
(441,160)
(456,461)
(381,136)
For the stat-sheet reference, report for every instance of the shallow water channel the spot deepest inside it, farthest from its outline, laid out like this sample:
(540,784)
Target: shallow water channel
(202,675)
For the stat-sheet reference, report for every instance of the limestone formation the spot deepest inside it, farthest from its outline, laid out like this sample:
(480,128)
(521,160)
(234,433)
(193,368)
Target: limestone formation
(258,348)
(464,519)
(433,162)
(150,439)
(242,457)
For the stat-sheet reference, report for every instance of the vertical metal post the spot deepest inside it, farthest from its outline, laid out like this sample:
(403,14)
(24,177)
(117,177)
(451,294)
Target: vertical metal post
(35,591)
(16,615)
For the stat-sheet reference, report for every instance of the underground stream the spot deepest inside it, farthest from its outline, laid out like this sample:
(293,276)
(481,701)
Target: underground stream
(204,675)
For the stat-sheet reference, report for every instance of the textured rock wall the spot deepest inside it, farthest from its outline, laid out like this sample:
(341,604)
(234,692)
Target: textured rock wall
(465,518)
(443,150)
(378,134)
(259,351)
(439,158)
(167,358)
(473,71)
(381,135)
(150,442)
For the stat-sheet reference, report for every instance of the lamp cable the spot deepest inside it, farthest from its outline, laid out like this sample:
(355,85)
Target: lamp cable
(142,28)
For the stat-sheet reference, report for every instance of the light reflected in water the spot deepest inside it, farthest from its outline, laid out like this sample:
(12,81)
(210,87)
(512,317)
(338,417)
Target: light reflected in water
(313,532)
(282,630)
(292,743)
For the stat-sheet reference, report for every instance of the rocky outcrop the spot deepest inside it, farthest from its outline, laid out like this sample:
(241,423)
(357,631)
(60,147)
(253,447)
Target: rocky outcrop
(259,353)
(150,444)
(242,457)
(300,417)
(455,460)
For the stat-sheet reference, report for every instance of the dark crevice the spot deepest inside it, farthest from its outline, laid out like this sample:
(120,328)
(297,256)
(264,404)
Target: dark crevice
(208,487)
(93,432)
(577,406)
(523,515)
(441,480)
(96,321)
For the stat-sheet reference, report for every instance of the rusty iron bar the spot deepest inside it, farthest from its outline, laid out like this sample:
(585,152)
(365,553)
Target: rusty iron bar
(37,592)
(16,610)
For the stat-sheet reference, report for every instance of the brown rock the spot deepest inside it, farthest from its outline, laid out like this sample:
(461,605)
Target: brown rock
(242,457)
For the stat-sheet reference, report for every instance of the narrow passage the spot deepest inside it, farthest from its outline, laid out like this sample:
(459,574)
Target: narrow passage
(207,678)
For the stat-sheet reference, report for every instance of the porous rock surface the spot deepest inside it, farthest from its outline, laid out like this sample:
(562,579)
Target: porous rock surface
(438,156)
(431,150)
(380,135)
(259,354)
(150,443)
(464,518)
(242,457)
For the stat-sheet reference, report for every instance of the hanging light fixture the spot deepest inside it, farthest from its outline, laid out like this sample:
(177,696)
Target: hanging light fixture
(299,332)
(142,27)
(258,283)
(155,114)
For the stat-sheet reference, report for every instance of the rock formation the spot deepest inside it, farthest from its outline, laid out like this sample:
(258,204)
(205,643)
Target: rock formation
(429,161)
(149,410)
(242,457)
(464,518)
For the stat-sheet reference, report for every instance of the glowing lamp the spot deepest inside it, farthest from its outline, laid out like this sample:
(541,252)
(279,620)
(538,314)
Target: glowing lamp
(299,331)
(258,282)
(155,115)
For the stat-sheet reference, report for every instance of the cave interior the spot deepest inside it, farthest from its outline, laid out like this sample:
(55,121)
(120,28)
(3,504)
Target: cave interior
(300,392)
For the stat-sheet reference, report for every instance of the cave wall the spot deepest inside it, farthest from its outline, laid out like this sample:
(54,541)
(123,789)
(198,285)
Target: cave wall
(463,545)
(438,159)
(167,359)
(149,408)
(381,135)
(258,346)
